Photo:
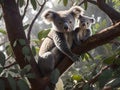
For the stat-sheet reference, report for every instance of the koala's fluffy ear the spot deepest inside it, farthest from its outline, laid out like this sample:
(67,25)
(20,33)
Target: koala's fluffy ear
(48,15)
(92,20)
(76,11)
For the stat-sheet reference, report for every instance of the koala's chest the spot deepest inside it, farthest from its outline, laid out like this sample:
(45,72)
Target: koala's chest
(69,39)
(81,34)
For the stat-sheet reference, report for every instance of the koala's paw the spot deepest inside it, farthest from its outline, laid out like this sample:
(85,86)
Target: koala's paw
(75,58)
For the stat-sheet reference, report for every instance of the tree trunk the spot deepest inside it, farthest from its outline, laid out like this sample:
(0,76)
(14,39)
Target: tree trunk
(15,32)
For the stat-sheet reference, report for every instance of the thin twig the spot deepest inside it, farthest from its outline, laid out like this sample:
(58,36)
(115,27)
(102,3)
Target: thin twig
(93,2)
(31,25)
(9,57)
(25,9)
(94,79)
(81,2)
(10,65)
(38,3)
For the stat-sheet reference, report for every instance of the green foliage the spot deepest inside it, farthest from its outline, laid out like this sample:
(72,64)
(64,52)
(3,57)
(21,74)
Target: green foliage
(2,84)
(88,87)
(99,26)
(1,1)
(25,70)
(9,50)
(22,42)
(2,58)
(30,75)
(116,5)
(1,69)
(34,4)
(26,26)
(26,50)
(85,5)
(104,78)
(43,34)
(114,83)
(21,2)
(22,85)
(3,31)
(34,50)
(76,77)
(65,2)
(12,82)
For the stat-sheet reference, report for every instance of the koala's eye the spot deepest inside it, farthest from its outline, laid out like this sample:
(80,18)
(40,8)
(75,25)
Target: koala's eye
(70,21)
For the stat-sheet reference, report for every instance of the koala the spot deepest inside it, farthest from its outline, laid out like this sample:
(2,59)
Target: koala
(82,32)
(59,39)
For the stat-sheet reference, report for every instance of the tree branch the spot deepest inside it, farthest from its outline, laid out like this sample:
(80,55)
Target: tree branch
(31,25)
(112,13)
(103,37)
(93,2)
(14,27)
(10,65)
(94,79)
(25,9)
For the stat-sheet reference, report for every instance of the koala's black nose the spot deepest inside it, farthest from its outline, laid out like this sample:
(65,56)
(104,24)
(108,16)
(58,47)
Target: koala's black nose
(83,24)
(65,27)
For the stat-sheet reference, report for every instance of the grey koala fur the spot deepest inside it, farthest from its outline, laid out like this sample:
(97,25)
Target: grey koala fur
(59,39)
(82,32)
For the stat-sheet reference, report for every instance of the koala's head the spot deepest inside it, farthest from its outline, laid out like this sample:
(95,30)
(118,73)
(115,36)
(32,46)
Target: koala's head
(62,21)
(85,22)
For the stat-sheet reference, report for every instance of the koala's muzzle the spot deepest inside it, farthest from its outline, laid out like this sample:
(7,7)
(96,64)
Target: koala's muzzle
(66,27)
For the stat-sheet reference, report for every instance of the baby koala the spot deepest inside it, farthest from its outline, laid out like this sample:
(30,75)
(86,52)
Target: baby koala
(84,30)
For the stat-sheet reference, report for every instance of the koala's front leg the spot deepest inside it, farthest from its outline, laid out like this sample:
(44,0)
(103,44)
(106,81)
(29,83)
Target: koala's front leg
(61,44)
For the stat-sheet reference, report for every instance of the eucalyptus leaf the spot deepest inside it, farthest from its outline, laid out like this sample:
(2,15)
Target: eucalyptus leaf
(26,26)
(1,69)
(21,3)
(30,75)
(25,70)
(9,50)
(22,42)
(3,31)
(43,34)
(65,2)
(28,58)
(33,50)
(12,82)
(88,87)
(2,58)
(26,50)
(109,60)
(14,70)
(22,85)
(2,84)
(85,4)
(34,4)
(114,83)
(76,77)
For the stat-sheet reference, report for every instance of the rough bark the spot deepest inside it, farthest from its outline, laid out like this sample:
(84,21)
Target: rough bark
(112,13)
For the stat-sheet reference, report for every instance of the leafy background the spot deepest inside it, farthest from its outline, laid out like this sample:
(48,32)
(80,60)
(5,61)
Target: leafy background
(102,62)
